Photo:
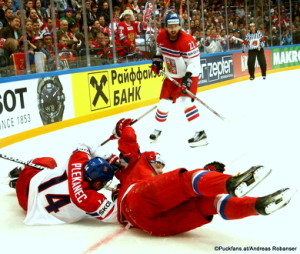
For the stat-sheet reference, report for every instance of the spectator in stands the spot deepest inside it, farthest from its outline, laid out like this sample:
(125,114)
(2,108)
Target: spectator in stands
(197,36)
(89,14)
(56,14)
(8,4)
(105,51)
(12,30)
(78,20)
(29,29)
(36,28)
(30,52)
(63,42)
(49,50)
(286,37)
(94,8)
(28,4)
(126,34)
(63,30)
(33,16)
(68,16)
(103,25)
(97,43)
(104,11)
(77,5)
(48,26)
(91,40)
(40,58)
(40,10)
(8,15)
(116,20)
(95,28)
(136,7)
(1,13)
(224,40)
(37,41)
(9,47)
(75,35)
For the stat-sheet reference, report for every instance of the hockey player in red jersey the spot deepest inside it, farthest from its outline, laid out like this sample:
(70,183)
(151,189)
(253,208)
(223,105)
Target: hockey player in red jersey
(181,55)
(57,195)
(181,200)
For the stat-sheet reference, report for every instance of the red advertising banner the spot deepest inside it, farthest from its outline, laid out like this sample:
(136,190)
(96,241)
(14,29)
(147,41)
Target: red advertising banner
(240,63)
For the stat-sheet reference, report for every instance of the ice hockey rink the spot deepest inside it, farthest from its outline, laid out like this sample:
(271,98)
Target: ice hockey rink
(262,127)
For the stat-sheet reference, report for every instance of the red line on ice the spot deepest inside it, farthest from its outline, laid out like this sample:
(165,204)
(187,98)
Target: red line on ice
(105,240)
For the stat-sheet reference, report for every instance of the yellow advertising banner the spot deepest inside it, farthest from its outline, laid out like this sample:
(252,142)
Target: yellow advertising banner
(114,88)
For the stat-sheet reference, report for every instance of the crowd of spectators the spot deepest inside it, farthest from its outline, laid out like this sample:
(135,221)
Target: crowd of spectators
(59,32)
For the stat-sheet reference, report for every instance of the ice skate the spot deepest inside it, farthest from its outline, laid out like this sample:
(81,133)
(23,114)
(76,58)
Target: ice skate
(155,134)
(199,139)
(240,185)
(14,173)
(273,202)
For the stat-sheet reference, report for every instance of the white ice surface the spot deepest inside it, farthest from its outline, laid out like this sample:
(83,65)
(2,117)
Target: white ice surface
(262,129)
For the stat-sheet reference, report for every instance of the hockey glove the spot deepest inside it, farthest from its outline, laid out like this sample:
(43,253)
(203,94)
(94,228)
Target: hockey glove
(186,82)
(120,125)
(114,161)
(215,166)
(157,64)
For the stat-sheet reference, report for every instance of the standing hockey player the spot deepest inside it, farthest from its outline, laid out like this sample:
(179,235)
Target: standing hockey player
(255,42)
(180,200)
(181,55)
(57,195)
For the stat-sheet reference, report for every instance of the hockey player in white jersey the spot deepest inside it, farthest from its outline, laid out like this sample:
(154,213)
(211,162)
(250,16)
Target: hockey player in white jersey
(57,195)
(180,53)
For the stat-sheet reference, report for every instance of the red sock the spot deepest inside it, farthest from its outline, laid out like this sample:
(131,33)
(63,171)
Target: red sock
(209,183)
(231,208)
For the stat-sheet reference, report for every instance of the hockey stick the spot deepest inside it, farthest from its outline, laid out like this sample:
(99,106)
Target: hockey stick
(133,122)
(26,163)
(192,95)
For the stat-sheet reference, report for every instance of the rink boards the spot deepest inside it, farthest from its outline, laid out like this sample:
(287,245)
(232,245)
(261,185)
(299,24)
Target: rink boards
(29,108)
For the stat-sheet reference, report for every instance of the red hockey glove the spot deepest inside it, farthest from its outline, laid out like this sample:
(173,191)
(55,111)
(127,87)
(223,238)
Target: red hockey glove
(262,39)
(157,64)
(120,125)
(245,42)
(215,166)
(186,81)
(114,161)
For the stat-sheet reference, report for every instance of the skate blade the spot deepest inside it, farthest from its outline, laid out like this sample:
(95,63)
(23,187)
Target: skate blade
(153,141)
(258,176)
(281,200)
(198,144)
